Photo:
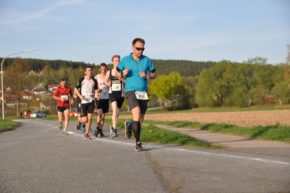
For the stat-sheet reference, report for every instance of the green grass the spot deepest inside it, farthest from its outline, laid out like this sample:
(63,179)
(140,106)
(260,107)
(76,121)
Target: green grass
(151,133)
(271,132)
(7,125)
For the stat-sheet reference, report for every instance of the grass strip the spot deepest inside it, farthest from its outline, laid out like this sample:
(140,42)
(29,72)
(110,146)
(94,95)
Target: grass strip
(270,132)
(151,133)
(7,125)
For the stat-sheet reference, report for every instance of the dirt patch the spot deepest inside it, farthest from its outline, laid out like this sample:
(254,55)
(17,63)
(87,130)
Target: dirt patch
(249,118)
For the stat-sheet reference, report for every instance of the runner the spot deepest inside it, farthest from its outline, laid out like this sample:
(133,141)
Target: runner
(79,123)
(116,94)
(102,100)
(88,89)
(137,69)
(62,94)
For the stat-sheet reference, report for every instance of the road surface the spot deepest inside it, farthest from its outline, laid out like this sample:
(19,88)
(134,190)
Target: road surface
(38,158)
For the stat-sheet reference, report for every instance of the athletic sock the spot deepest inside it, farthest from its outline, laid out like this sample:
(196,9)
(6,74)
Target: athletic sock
(136,126)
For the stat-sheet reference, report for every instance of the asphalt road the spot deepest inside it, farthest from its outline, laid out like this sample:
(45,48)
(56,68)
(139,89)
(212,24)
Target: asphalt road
(37,157)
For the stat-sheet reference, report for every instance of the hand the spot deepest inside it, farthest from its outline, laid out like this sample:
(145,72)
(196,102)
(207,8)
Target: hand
(82,98)
(125,72)
(142,74)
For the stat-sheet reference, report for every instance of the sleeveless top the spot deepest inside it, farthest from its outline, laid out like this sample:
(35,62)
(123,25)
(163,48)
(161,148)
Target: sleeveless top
(117,87)
(101,84)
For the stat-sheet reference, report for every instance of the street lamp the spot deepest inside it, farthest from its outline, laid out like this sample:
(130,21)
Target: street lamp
(2,86)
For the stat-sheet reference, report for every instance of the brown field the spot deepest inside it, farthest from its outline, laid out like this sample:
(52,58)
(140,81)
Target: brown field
(248,118)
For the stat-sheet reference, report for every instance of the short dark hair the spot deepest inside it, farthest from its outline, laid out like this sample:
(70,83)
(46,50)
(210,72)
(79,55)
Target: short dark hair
(103,65)
(88,67)
(63,79)
(138,40)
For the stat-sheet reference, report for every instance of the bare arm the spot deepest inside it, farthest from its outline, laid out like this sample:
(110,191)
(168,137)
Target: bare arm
(56,98)
(107,79)
(152,75)
(78,94)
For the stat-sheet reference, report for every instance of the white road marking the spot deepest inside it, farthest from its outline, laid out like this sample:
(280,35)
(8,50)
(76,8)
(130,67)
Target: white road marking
(191,151)
(269,161)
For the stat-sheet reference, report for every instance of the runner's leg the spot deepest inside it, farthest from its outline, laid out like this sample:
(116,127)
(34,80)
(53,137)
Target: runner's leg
(60,118)
(66,117)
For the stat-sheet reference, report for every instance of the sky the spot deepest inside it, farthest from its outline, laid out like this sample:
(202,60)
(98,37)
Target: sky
(94,30)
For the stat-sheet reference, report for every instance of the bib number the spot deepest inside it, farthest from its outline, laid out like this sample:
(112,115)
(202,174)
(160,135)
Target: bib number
(64,97)
(116,87)
(141,95)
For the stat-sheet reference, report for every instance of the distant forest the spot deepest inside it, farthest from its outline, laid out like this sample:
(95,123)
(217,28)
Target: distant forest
(184,67)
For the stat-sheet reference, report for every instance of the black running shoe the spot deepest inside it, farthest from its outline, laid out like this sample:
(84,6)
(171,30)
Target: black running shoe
(138,146)
(78,126)
(97,132)
(101,133)
(116,133)
(128,129)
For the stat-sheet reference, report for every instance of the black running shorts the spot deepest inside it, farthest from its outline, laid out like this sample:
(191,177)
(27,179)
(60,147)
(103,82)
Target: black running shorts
(103,104)
(118,99)
(62,109)
(87,108)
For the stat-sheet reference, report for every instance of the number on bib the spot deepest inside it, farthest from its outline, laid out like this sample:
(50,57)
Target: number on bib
(116,87)
(141,95)
(64,97)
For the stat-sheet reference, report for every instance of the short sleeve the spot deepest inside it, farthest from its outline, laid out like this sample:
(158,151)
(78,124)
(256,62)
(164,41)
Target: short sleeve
(121,65)
(96,84)
(56,92)
(79,83)
(151,66)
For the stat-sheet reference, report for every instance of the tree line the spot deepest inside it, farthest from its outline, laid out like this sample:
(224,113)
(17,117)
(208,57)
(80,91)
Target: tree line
(180,84)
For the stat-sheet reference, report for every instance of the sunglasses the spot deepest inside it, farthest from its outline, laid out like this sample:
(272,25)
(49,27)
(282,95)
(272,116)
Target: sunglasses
(140,49)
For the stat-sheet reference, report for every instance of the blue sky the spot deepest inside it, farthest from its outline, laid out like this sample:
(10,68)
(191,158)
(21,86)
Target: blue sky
(94,30)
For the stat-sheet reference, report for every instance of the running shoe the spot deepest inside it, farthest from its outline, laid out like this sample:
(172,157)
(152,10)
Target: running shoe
(101,133)
(78,126)
(128,129)
(112,132)
(138,146)
(97,132)
(87,136)
(116,132)
(83,127)
(65,131)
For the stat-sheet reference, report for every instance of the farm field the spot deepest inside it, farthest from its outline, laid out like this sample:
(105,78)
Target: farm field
(245,118)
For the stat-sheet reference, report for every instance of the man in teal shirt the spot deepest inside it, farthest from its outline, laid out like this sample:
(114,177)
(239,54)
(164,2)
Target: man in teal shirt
(137,69)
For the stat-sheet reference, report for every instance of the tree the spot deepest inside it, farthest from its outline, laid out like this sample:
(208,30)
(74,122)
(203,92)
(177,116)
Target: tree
(170,88)
(16,77)
(282,92)
(256,60)
(257,94)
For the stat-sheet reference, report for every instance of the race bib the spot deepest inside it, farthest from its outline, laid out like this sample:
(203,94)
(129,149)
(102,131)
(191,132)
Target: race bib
(64,97)
(87,99)
(141,95)
(116,87)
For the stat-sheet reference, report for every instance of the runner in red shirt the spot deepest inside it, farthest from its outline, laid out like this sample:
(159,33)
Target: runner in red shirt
(63,95)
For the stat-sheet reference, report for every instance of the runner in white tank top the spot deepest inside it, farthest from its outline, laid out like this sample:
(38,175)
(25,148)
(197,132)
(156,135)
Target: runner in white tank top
(102,101)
